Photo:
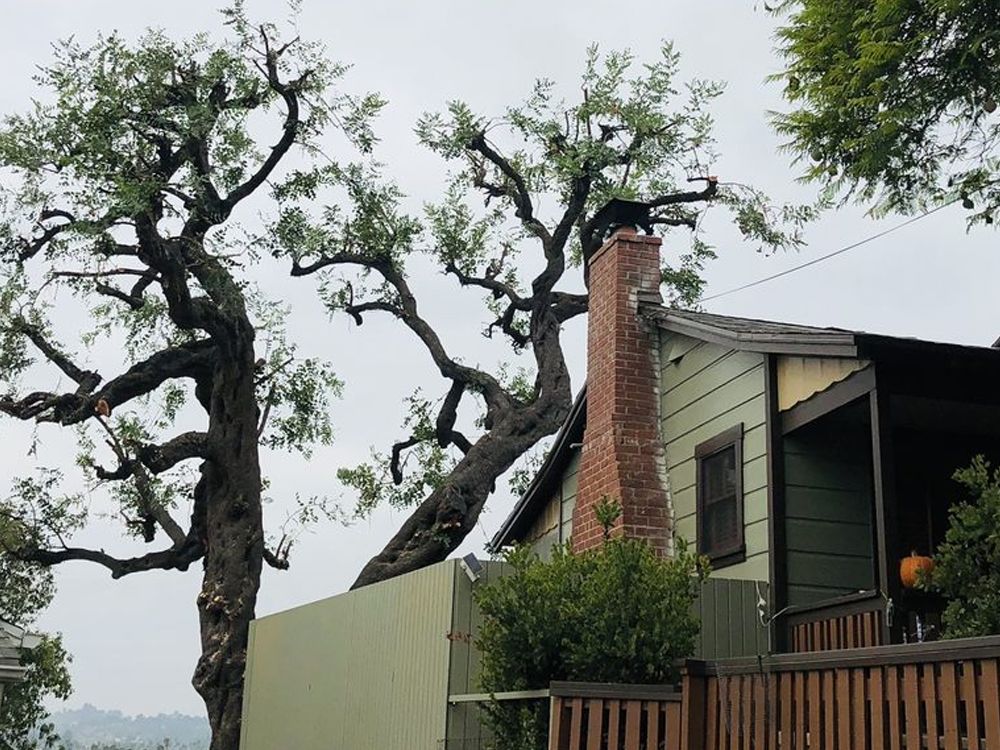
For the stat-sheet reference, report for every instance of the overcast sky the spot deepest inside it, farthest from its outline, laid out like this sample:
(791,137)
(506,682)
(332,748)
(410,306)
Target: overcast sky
(134,641)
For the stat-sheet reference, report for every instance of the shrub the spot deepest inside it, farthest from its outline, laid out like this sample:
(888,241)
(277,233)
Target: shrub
(618,613)
(967,564)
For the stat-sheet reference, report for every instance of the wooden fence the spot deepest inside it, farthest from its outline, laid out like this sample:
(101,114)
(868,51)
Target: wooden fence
(933,696)
(593,716)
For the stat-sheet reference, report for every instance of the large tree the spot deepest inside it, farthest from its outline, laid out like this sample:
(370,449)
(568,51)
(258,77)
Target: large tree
(894,102)
(518,214)
(126,288)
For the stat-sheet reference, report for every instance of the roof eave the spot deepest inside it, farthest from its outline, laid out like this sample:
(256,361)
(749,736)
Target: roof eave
(832,344)
(553,464)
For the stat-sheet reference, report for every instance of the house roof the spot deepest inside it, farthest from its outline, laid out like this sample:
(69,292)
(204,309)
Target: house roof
(773,337)
(746,334)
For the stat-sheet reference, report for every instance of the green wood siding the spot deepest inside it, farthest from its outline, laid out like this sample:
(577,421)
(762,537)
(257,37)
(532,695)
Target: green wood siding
(562,524)
(706,389)
(829,506)
(729,624)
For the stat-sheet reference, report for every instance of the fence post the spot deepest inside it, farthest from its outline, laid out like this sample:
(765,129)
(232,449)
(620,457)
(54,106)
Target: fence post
(692,726)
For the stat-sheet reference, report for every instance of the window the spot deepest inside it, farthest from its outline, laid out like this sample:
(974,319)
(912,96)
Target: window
(720,497)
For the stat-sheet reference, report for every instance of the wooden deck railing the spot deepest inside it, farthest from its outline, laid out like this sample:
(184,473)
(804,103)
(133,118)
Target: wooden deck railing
(856,621)
(594,716)
(943,695)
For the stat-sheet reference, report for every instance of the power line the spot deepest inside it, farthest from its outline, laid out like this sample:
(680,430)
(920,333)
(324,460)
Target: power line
(820,259)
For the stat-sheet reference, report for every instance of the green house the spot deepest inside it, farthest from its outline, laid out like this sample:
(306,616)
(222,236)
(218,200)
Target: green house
(805,462)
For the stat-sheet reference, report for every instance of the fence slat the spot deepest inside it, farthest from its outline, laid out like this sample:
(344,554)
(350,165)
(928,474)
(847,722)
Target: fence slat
(759,712)
(733,712)
(772,712)
(892,692)
(815,711)
(800,710)
(672,726)
(858,711)
(830,728)
(652,724)
(970,697)
(842,707)
(928,682)
(911,704)
(746,721)
(555,724)
(595,723)
(949,700)
(989,693)
(575,722)
(785,710)
(713,739)
(614,728)
(877,700)
(633,715)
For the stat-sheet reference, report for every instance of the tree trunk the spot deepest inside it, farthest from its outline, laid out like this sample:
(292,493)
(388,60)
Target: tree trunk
(440,523)
(234,542)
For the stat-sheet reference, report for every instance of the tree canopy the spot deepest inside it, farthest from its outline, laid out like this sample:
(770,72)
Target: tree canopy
(518,215)
(135,313)
(894,102)
(130,315)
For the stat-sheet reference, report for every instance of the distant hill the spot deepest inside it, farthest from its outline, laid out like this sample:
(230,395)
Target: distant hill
(90,728)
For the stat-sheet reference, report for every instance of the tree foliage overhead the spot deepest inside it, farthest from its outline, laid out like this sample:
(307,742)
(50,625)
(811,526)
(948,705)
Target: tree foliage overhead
(895,101)
(131,315)
(519,211)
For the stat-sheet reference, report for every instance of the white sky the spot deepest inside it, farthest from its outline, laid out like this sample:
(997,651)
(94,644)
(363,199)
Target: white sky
(135,641)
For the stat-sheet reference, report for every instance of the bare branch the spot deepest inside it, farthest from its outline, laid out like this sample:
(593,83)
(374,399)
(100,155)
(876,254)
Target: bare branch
(517,190)
(178,557)
(87,380)
(498,288)
(289,93)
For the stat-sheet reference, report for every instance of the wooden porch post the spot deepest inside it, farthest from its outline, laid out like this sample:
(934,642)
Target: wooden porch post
(886,516)
(776,553)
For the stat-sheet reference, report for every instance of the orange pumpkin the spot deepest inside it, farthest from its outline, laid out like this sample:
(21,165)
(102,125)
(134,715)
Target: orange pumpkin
(911,567)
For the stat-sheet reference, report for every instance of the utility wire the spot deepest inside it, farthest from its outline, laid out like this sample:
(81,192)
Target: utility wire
(821,258)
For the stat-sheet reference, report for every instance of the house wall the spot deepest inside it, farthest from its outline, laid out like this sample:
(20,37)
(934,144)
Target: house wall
(555,524)
(829,507)
(706,389)
(367,670)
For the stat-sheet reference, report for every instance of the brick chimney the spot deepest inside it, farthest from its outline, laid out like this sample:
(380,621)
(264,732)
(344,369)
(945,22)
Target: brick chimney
(623,456)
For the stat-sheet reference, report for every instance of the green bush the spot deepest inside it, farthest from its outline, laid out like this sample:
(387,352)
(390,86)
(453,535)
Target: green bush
(967,564)
(618,613)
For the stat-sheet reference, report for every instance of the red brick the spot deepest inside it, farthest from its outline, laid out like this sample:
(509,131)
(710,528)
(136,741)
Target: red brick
(622,449)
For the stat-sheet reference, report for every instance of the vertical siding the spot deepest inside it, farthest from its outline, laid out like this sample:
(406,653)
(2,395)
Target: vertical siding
(730,627)
(464,728)
(555,524)
(366,670)
(707,389)
(829,507)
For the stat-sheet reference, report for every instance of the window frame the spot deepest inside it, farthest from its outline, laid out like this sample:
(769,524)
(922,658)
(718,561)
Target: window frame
(731,438)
